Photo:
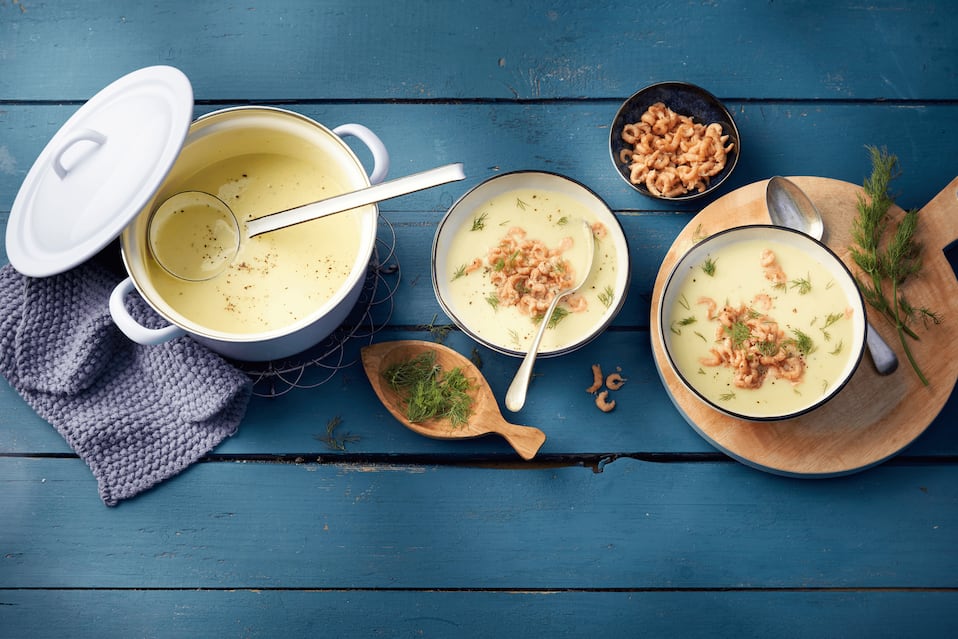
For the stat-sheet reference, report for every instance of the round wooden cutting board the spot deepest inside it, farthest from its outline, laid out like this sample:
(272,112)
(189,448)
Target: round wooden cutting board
(873,417)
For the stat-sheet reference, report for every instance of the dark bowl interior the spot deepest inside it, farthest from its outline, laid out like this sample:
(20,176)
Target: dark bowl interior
(684,99)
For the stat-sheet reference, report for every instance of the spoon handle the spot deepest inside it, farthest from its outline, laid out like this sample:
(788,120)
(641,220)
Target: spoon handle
(883,356)
(516,395)
(353,199)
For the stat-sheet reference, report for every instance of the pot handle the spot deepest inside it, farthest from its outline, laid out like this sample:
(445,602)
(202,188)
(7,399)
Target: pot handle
(135,331)
(373,143)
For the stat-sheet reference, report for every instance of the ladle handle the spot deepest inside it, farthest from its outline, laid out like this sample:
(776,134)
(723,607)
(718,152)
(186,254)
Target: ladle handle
(883,357)
(347,201)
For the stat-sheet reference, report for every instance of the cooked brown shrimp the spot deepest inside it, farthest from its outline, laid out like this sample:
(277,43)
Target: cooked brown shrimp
(752,357)
(710,306)
(528,274)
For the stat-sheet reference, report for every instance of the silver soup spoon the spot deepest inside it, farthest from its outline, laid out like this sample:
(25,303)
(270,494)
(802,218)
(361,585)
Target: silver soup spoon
(516,395)
(789,206)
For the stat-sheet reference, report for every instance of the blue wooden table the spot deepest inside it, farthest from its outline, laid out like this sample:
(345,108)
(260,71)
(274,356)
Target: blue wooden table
(625,524)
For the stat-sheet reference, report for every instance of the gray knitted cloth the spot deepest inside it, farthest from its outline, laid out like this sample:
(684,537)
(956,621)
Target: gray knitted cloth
(137,415)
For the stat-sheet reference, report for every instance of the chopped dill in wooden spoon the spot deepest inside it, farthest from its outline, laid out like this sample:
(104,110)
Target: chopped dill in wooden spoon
(887,265)
(428,392)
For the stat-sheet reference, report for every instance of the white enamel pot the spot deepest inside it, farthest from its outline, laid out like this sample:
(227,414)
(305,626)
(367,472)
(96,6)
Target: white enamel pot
(323,165)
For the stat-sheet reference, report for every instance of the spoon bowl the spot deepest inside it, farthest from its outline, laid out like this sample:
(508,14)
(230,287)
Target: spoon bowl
(789,206)
(485,418)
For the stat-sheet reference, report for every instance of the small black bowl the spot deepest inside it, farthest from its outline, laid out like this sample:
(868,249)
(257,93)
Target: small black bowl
(684,99)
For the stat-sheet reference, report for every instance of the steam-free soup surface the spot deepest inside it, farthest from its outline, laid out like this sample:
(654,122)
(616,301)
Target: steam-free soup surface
(280,277)
(720,329)
(554,220)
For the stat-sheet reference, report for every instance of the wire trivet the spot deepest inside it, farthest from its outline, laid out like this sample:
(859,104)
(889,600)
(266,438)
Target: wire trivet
(340,350)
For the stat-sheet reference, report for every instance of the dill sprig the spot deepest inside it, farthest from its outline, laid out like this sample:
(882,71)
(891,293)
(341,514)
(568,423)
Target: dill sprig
(429,392)
(803,285)
(607,296)
(559,314)
(479,222)
(439,332)
(886,265)
(708,267)
(331,440)
(802,342)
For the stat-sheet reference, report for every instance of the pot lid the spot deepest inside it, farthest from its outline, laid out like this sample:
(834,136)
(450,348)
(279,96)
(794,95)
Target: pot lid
(99,170)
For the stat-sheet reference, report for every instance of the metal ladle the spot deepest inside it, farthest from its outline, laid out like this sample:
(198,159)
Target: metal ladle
(195,236)
(789,206)
(516,395)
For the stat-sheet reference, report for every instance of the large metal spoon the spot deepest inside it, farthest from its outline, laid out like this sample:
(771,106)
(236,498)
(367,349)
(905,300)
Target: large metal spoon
(195,236)
(516,395)
(789,206)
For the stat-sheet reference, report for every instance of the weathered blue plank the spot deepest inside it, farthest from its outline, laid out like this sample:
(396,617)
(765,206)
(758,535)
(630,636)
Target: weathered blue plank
(572,139)
(644,422)
(47,614)
(379,49)
(636,525)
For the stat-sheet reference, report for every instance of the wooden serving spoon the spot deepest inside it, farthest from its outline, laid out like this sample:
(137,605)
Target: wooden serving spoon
(485,417)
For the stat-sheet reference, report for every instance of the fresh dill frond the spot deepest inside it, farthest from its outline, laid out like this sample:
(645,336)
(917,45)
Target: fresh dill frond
(708,267)
(459,272)
(493,300)
(479,222)
(607,296)
(331,440)
(804,285)
(802,342)
(675,327)
(830,319)
(768,348)
(887,264)
(739,332)
(429,392)
(559,314)
(439,332)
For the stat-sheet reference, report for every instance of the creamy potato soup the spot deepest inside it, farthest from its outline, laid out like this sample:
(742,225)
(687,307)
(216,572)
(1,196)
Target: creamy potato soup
(760,328)
(280,277)
(507,262)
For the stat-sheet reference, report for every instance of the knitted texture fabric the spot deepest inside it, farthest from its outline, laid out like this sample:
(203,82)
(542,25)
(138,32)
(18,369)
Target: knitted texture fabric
(137,415)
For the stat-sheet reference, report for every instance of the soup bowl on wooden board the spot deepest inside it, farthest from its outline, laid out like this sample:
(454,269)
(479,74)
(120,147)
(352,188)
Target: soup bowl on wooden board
(762,322)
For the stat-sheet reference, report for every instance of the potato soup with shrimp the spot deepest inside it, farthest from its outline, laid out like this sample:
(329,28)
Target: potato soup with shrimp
(760,328)
(506,263)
